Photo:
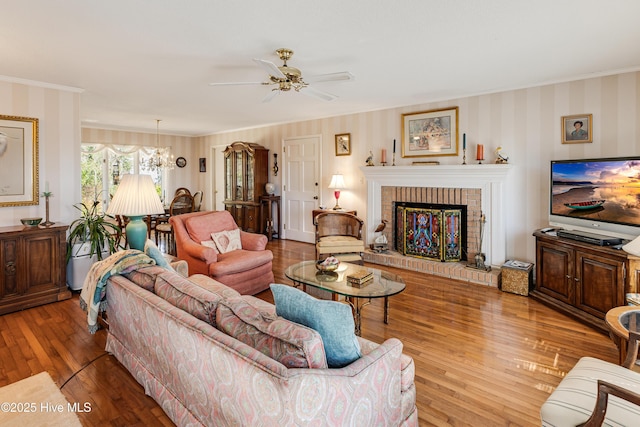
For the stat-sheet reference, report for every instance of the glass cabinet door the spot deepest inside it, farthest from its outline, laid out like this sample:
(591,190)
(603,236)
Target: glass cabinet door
(228,179)
(239,177)
(250,180)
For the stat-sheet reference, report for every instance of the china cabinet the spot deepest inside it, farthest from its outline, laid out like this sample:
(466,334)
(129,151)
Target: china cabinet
(245,175)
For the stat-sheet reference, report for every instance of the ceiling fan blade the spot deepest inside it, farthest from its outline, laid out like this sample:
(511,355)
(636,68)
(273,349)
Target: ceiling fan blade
(270,67)
(237,83)
(330,77)
(315,93)
(272,94)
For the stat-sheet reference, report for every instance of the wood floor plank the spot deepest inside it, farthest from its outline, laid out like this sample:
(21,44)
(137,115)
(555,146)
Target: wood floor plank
(483,357)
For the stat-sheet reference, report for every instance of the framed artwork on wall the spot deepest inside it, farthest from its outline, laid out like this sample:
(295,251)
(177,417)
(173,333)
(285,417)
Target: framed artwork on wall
(577,129)
(343,144)
(203,164)
(18,161)
(430,133)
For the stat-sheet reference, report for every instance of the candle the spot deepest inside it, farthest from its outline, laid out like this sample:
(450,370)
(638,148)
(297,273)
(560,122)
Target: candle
(480,152)
(383,156)
(464,141)
(394,146)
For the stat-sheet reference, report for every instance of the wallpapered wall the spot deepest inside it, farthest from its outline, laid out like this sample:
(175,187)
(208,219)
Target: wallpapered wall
(525,122)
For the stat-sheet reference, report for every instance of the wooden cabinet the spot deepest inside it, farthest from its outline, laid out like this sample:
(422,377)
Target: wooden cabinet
(245,175)
(580,279)
(33,267)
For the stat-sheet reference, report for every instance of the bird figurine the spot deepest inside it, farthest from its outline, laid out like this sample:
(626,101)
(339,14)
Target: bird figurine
(369,160)
(499,157)
(381,226)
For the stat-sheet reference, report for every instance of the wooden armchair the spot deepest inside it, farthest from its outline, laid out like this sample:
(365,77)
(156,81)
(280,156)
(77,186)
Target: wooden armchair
(586,390)
(339,234)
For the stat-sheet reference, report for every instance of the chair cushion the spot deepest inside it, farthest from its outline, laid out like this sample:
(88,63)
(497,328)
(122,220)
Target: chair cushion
(573,400)
(227,240)
(333,321)
(293,345)
(239,261)
(200,227)
(188,296)
(339,244)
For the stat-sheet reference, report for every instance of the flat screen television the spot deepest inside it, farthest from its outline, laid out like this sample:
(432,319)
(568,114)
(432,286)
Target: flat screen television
(597,195)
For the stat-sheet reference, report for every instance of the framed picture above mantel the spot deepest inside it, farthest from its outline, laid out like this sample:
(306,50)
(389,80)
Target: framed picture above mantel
(18,161)
(430,133)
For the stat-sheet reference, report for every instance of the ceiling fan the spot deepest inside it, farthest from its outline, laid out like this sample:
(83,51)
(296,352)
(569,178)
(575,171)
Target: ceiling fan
(285,78)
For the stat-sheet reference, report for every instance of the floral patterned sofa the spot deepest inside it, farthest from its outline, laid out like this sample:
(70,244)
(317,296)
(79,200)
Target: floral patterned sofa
(210,356)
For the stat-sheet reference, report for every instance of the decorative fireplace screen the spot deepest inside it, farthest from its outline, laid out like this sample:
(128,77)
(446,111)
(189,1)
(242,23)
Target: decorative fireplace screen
(431,231)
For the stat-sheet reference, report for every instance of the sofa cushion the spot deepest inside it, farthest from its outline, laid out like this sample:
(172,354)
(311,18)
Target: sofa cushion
(152,251)
(227,240)
(214,286)
(188,296)
(333,321)
(293,345)
(145,277)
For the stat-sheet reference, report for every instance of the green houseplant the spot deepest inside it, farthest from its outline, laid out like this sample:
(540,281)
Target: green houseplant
(93,228)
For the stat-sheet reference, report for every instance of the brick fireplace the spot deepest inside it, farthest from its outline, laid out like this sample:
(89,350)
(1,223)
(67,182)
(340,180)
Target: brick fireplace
(481,188)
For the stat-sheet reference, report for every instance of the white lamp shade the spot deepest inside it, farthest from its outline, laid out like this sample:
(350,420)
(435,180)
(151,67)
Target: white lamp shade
(337,182)
(136,196)
(633,247)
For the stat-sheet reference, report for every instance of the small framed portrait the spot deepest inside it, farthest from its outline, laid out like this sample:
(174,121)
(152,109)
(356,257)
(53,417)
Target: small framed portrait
(577,129)
(430,133)
(343,144)
(203,164)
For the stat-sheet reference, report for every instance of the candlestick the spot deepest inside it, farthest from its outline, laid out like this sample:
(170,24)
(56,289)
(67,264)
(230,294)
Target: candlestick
(383,156)
(464,156)
(47,223)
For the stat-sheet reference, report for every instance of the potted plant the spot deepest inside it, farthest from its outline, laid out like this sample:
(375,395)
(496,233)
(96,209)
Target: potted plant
(91,237)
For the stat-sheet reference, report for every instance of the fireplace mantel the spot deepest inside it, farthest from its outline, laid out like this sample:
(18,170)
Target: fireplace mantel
(491,179)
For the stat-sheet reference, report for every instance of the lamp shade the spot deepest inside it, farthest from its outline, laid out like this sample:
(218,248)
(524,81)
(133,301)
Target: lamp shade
(337,182)
(136,196)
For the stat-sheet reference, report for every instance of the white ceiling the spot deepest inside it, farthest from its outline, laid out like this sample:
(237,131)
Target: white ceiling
(138,60)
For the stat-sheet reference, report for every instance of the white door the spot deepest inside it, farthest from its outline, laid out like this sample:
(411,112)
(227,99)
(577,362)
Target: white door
(217,156)
(300,191)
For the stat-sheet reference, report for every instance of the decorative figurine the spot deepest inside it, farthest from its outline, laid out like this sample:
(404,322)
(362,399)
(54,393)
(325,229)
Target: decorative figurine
(500,159)
(369,160)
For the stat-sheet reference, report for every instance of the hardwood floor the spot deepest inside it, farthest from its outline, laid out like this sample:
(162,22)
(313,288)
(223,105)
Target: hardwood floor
(483,357)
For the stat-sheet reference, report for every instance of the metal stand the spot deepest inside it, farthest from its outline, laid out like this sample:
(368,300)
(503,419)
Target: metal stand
(464,156)
(394,159)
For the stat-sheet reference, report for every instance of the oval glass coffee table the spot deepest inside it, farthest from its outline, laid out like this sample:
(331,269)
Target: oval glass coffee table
(382,285)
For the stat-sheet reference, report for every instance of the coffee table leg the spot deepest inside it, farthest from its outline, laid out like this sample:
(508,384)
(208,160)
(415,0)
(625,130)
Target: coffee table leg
(386,310)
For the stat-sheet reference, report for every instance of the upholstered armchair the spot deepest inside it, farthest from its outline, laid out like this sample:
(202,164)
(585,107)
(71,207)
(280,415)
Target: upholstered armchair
(207,241)
(339,234)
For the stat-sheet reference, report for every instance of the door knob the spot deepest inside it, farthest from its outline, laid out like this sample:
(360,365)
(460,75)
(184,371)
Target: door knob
(315,197)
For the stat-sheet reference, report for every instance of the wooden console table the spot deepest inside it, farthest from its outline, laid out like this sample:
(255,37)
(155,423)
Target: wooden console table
(33,266)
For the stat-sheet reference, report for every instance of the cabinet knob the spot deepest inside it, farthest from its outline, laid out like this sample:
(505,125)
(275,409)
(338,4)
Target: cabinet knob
(576,279)
(568,277)
(10,268)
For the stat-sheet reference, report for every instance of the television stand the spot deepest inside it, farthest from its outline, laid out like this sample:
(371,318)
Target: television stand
(582,279)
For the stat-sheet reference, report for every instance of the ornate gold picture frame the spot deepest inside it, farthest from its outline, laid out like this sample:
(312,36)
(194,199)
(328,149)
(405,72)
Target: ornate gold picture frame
(577,129)
(18,161)
(430,133)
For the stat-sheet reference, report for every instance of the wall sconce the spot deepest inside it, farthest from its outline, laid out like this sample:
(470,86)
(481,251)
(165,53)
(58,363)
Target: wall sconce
(275,164)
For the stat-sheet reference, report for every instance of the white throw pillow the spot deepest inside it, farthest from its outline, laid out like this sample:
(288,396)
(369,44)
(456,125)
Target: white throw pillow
(227,240)
(210,244)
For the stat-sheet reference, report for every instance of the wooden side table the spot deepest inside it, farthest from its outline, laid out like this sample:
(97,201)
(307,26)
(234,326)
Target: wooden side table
(267,221)
(620,320)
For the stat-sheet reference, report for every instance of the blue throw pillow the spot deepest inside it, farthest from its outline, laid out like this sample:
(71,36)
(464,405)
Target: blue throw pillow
(333,321)
(152,251)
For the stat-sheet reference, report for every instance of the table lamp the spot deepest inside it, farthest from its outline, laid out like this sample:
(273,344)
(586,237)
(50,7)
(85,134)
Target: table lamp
(135,198)
(337,183)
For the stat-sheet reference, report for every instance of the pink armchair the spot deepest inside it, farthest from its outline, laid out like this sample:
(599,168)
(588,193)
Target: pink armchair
(247,270)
